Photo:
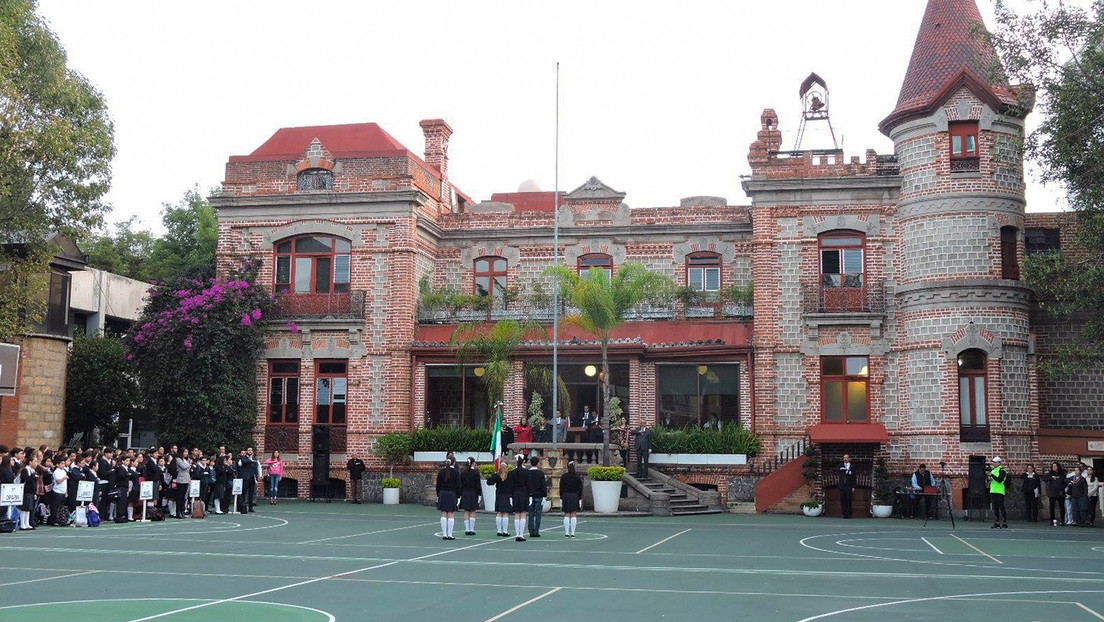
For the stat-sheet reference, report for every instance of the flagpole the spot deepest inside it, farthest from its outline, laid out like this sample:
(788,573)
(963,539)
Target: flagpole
(556,262)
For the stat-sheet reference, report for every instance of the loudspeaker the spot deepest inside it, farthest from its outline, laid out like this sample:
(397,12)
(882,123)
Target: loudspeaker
(977,475)
(320,469)
(320,439)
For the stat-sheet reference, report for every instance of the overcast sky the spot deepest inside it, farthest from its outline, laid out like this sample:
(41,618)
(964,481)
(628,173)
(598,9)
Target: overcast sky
(660,103)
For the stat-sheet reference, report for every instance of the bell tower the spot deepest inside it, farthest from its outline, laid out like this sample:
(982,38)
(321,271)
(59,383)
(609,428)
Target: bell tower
(962,336)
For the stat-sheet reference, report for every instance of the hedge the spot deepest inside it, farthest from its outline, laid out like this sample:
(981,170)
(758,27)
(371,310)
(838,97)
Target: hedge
(605,474)
(730,439)
(451,438)
(391,482)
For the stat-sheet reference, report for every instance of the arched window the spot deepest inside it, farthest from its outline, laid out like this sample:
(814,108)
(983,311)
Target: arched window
(598,261)
(315,179)
(313,264)
(1010,262)
(703,272)
(490,277)
(972,408)
(841,259)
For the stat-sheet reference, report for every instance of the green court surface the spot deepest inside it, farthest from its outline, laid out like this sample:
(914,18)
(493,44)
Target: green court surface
(307,562)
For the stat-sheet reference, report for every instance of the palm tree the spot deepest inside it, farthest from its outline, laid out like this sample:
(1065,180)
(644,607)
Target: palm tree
(603,303)
(492,347)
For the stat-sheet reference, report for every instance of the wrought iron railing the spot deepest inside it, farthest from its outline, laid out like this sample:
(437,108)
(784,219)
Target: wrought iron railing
(336,305)
(715,309)
(767,464)
(867,297)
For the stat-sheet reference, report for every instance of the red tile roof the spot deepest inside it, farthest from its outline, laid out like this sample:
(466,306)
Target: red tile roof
(946,54)
(529,201)
(353,140)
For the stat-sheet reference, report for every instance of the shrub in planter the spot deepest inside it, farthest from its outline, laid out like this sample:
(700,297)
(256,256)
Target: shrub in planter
(606,474)
(730,439)
(391,482)
(883,493)
(812,505)
(450,438)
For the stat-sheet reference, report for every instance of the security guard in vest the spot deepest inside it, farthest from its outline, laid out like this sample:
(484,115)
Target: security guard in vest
(998,480)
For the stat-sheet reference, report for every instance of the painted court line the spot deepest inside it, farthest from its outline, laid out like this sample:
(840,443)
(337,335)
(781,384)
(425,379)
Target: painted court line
(367,533)
(1098,616)
(930,599)
(662,541)
(931,545)
(977,549)
(528,602)
(64,576)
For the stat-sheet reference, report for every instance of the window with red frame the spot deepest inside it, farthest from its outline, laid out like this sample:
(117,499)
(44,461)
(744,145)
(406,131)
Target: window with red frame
(841,260)
(703,272)
(490,277)
(845,389)
(313,264)
(331,385)
(964,139)
(972,380)
(283,392)
(596,261)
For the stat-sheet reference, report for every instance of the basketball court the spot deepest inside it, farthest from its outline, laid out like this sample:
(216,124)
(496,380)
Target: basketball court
(319,562)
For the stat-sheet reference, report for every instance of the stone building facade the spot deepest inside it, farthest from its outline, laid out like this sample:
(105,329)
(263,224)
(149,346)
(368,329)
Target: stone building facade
(889,318)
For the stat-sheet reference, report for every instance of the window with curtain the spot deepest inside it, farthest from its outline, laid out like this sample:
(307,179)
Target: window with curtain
(845,389)
(972,407)
(313,264)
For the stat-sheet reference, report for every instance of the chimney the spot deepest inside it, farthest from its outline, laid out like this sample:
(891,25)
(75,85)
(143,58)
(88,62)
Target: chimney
(437,134)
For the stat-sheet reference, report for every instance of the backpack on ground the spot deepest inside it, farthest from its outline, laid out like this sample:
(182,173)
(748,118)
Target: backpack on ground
(197,510)
(80,517)
(121,516)
(42,514)
(155,514)
(62,516)
(7,525)
(93,516)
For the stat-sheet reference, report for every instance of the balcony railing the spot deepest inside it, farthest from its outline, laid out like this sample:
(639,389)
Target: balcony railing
(343,305)
(868,297)
(543,313)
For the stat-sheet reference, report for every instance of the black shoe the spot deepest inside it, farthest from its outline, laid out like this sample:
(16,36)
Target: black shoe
(534,535)
(519,539)
(995,526)
(444,537)
(1004,525)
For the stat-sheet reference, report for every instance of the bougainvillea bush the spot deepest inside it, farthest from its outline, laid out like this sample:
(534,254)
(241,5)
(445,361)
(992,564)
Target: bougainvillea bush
(196,347)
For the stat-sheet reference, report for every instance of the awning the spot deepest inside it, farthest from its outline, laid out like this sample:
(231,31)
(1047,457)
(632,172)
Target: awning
(1063,442)
(849,433)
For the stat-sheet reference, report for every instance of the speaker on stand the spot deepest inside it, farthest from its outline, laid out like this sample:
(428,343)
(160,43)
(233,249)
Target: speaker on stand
(976,501)
(320,465)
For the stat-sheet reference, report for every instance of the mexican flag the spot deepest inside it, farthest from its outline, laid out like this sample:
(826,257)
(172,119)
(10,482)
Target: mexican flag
(496,438)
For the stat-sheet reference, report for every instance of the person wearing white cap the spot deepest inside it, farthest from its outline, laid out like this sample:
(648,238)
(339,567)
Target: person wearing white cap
(998,480)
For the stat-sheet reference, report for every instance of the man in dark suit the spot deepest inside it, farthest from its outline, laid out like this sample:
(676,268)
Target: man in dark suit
(249,472)
(846,485)
(643,450)
(356,473)
(537,492)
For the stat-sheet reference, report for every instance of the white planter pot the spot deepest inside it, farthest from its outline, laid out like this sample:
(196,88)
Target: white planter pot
(391,496)
(546,505)
(488,496)
(882,511)
(607,496)
(808,511)
(698,458)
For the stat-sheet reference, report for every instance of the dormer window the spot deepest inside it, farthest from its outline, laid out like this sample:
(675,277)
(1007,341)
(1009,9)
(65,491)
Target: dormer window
(315,179)
(964,146)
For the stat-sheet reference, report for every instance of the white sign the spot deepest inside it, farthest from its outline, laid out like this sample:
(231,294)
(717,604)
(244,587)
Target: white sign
(9,368)
(1096,445)
(145,491)
(236,488)
(11,494)
(193,489)
(85,491)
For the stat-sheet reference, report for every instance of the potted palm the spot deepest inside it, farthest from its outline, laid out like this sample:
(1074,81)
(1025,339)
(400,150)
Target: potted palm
(883,494)
(605,486)
(394,448)
(810,471)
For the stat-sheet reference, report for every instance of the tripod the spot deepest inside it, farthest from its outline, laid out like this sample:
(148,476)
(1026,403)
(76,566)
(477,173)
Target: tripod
(944,496)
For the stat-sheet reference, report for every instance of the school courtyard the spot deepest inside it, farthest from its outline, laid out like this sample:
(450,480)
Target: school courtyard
(318,562)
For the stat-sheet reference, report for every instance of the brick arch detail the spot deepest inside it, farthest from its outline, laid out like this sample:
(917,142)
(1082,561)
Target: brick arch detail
(870,224)
(305,227)
(511,254)
(602,247)
(970,337)
(727,250)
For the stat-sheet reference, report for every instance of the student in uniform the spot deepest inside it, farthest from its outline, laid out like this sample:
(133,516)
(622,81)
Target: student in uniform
(223,476)
(30,483)
(519,491)
(469,495)
(571,495)
(448,488)
(503,491)
(538,490)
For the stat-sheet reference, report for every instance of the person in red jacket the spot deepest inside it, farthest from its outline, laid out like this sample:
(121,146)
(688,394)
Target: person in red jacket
(523,434)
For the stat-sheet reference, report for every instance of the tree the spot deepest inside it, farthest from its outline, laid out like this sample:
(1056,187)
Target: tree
(197,347)
(1059,50)
(493,348)
(56,147)
(101,388)
(603,303)
(187,250)
(123,249)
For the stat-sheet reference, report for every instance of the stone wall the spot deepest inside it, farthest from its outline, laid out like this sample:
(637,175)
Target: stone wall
(37,415)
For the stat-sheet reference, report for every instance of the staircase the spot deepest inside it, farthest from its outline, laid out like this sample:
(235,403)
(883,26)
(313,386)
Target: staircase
(681,503)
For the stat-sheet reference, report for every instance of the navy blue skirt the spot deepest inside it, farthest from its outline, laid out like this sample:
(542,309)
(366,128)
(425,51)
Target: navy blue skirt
(570,502)
(446,501)
(469,500)
(521,502)
(502,504)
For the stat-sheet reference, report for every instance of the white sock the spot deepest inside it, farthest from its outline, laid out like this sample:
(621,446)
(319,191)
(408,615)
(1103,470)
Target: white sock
(472,526)
(466,527)
(218,505)
(444,526)
(567,526)
(498,524)
(574,521)
(130,512)
(451,524)
(518,524)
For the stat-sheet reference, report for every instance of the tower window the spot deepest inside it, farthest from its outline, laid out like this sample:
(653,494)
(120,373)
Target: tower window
(1010,263)
(964,146)
(315,179)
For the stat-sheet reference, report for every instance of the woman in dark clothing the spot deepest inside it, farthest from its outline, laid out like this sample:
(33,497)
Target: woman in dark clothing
(469,495)
(1030,486)
(503,491)
(1055,481)
(135,492)
(571,495)
(30,483)
(519,491)
(1079,492)
(222,479)
(448,489)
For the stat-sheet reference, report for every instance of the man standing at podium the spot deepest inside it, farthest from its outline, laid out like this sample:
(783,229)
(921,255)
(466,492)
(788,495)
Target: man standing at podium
(923,483)
(846,485)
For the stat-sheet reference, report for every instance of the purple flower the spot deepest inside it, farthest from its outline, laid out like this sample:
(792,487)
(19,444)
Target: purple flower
(130,357)
(188,343)
(246,320)
(293,327)
(256,314)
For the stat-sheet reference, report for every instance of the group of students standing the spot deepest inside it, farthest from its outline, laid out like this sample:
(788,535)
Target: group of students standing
(51,479)
(519,492)
(1074,495)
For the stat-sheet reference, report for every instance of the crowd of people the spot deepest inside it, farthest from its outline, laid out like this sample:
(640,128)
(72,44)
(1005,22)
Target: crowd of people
(519,492)
(51,480)
(1074,495)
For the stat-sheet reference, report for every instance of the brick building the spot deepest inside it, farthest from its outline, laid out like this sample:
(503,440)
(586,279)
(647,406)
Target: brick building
(889,318)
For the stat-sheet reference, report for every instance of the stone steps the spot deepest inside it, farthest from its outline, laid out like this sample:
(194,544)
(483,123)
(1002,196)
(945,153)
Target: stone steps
(681,503)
